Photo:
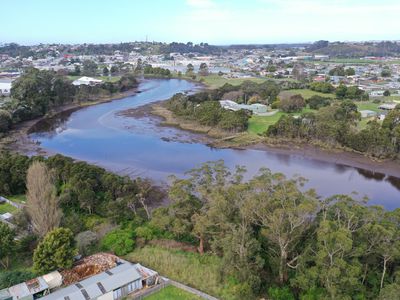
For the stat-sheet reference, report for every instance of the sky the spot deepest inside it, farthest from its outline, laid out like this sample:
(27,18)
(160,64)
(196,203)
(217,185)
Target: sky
(218,22)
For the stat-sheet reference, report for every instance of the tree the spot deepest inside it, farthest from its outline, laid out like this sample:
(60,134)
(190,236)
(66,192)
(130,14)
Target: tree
(316,102)
(189,69)
(7,244)
(34,90)
(55,251)
(5,120)
(386,73)
(284,213)
(42,202)
(386,93)
(10,278)
(105,71)
(350,72)
(293,103)
(341,91)
(337,71)
(85,241)
(114,70)
(119,241)
(89,68)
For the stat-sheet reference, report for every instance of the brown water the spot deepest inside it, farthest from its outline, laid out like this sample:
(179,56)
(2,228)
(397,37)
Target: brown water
(138,146)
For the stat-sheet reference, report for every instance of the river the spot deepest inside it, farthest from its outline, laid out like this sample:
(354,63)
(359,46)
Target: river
(138,146)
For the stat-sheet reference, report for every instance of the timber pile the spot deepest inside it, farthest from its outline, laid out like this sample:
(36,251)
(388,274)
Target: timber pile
(89,266)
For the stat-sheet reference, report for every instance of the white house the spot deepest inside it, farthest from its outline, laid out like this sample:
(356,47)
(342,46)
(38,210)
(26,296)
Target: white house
(5,88)
(87,81)
(387,106)
(232,105)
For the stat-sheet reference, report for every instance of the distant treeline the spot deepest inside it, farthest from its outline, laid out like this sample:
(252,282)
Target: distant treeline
(351,50)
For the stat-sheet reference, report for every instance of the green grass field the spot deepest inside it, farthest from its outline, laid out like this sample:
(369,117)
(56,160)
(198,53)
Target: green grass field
(215,81)
(172,293)
(5,207)
(306,93)
(368,105)
(198,271)
(259,124)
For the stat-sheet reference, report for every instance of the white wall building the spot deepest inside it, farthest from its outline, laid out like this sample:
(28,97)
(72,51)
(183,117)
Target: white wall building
(87,81)
(5,88)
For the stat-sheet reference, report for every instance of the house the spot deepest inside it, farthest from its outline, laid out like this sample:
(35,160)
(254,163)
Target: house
(101,276)
(367,113)
(388,106)
(376,93)
(32,289)
(254,108)
(87,81)
(113,284)
(5,88)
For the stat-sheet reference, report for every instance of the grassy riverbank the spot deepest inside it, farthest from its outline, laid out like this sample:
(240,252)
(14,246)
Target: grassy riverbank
(198,271)
(172,293)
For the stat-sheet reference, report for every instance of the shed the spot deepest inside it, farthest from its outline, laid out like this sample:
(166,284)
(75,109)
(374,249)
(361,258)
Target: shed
(115,283)
(388,106)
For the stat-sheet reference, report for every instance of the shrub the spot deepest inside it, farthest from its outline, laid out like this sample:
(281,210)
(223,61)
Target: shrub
(277,293)
(316,102)
(86,241)
(11,278)
(55,251)
(118,241)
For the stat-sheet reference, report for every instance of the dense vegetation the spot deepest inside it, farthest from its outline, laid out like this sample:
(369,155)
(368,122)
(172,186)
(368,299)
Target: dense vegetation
(336,124)
(273,238)
(157,71)
(263,236)
(342,49)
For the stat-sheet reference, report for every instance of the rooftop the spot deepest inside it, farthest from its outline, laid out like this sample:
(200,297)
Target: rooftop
(99,284)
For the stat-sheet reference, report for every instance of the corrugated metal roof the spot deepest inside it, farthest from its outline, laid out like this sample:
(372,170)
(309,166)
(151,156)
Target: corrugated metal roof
(122,275)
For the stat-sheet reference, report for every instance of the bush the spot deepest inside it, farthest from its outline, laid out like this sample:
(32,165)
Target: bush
(10,278)
(322,87)
(145,232)
(316,102)
(118,241)
(276,104)
(55,251)
(292,104)
(86,241)
(277,293)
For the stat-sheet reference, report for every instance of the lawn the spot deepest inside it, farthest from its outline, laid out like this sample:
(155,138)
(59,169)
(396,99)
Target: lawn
(353,61)
(5,207)
(306,93)
(368,105)
(172,293)
(259,124)
(18,198)
(198,271)
(215,81)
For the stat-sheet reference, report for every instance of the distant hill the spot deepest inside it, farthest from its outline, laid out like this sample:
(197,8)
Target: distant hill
(351,50)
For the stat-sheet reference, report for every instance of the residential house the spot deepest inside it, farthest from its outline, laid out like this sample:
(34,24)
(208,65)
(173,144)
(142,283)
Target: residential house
(87,81)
